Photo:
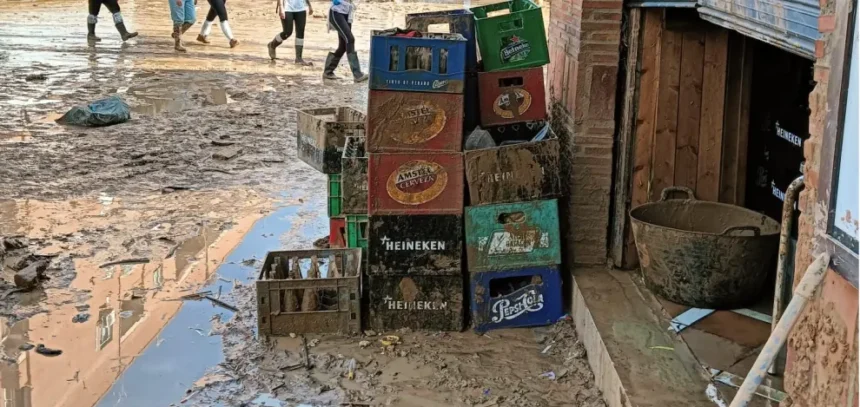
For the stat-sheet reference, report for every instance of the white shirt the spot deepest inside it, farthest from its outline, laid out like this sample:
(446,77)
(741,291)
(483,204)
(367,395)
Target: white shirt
(292,6)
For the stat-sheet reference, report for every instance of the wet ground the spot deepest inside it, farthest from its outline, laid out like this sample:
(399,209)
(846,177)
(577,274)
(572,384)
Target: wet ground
(159,189)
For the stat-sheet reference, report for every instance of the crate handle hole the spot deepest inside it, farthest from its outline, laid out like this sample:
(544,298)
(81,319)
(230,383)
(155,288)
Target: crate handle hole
(352,316)
(262,300)
(511,82)
(263,320)
(512,217)
(441,28)
(352,296)
(496,13)
(500,287)
(511,25)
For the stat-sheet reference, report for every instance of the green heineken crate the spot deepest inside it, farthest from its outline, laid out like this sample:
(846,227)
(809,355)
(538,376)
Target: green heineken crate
(335,196)
(515,40)
(356,232)
(512,235)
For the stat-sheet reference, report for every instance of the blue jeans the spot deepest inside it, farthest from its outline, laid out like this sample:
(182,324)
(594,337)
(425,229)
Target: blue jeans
(182,14)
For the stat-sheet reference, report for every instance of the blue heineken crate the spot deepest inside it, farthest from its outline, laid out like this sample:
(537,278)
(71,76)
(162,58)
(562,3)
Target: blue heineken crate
(430,63)
(516,298)
(458,21)
(512,236)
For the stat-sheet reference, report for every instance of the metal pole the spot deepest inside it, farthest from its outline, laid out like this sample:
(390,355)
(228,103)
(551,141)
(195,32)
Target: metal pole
(810,282)
(791,195)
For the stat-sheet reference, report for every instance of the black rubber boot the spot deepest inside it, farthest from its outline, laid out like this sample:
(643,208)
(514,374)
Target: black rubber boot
(271,46)
(357,75)
(91,33)
(124,33)
(299,60)
(331,62)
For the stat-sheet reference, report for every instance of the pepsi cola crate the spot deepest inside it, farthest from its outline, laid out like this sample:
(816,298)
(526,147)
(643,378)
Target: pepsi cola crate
(512,96)
(515,40)
(416,245)
(427,62)
(458,21)
(427,303)
(512,236)
(516,298)
(426,183)
(414,121)
(322,133)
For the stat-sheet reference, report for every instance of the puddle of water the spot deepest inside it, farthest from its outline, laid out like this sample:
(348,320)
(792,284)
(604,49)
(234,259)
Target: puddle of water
(20,137)
(157,101)
(183,352)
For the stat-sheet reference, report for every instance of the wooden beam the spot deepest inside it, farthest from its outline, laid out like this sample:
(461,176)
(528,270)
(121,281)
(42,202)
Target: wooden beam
(711,124)
(666,131)
(737,117)
(626,141)
(646,114)
(689,109)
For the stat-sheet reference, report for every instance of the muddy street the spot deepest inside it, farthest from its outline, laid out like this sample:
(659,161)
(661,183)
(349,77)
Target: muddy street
(129,221)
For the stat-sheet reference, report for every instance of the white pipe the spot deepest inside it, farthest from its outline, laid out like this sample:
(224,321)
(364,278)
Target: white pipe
(810,282)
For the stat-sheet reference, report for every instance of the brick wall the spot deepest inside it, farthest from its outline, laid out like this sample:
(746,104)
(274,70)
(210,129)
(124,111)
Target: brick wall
(584,40)
(822,349)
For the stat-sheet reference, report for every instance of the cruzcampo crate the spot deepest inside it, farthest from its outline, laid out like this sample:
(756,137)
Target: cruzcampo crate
(309,291)
(514,40)
(356,232)
(512,96)
(337,233)
(354,177)
(427,303)
(525,171)
(516,298)
(512,235)
(416,245)
(322,133)
(335,196)
(427,62)
(414,121)
(454,21)
(427,183)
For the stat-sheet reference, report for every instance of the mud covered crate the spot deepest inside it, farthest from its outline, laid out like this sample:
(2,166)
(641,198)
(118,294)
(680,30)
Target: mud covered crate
(354,177)
(309,291)
(428,183)
(356,233)
(416,245)
(322,133)
(525,171)
(414,121)
(425,62)
(428,303)
(512,96)
(454,21)
(514,40)
(337,233)
(511,236)
(516,298)
(335,196)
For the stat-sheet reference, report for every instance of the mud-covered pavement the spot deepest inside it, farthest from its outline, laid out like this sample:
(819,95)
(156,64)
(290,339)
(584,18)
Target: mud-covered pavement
(209,153)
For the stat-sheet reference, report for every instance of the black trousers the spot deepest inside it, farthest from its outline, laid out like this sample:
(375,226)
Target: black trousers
(217,8)
(345,40)
(299,18)
(96,5)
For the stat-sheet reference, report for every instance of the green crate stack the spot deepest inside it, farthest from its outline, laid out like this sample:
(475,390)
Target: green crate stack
(356,232)
(335,196)
(516,40)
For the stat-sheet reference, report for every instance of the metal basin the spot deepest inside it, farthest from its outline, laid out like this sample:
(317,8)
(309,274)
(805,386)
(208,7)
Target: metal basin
(704,254)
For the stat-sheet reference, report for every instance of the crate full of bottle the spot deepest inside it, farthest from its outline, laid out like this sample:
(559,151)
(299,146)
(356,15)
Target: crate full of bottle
(452,21)
(417,62)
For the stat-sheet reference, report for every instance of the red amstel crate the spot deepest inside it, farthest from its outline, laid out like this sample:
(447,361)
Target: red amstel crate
(425,183)
(512,96)
(414,121)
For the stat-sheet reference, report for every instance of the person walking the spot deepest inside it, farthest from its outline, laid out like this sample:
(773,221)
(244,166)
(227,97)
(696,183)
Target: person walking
(217,8)
(340,18)
(93,18)
(292,12)
(183,14)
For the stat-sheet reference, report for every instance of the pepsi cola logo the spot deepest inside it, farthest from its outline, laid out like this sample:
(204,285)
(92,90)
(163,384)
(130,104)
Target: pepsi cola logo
(417,182)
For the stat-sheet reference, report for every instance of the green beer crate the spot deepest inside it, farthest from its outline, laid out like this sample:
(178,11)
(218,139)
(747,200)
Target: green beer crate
(512,235)
(356,232)
(335,196)
(515,40)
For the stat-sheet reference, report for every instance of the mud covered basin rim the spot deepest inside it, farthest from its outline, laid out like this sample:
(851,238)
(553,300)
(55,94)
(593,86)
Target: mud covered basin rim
(776,225)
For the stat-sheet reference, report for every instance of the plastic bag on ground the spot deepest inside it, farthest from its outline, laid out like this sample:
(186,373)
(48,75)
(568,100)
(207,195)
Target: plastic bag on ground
(104,112)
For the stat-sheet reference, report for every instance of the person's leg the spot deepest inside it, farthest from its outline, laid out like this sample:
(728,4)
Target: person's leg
(93,7)
(286,31)
(206,29)
(337,21)
(177,15)
(190,15)
(220,7)
(113,7)
(301,20)
(352,58)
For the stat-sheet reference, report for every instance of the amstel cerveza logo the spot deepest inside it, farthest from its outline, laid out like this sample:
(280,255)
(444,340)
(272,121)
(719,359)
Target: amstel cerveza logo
(417,182)
(512,100)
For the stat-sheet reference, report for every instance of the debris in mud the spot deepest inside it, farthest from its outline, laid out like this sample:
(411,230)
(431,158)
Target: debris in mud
(29,277)
(81,318)
(27,346)
(103,112)
(322,243)
(36,77)
(227,153)
(46,351)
